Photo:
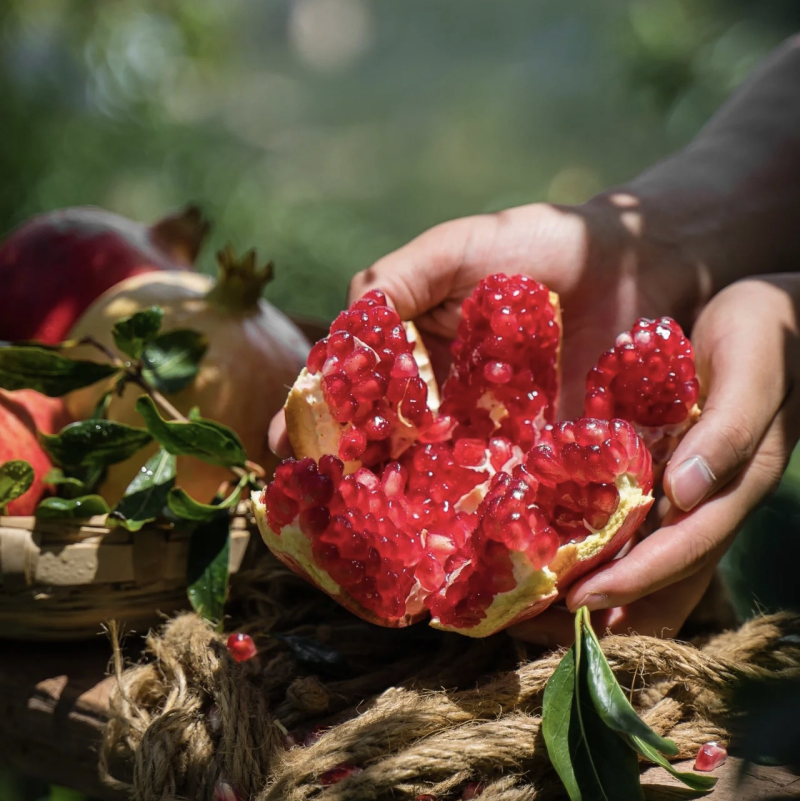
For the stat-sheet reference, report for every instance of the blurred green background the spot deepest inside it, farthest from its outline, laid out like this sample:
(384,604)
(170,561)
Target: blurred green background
(327,132)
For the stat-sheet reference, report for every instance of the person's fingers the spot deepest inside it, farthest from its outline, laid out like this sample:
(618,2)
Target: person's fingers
(427,272)
(279,437)
(745,365)
(660,614)
(688,542)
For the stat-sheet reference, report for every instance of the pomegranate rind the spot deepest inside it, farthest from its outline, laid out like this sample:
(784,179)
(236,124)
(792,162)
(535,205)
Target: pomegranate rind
(312,430)
(293,549)
(537,589)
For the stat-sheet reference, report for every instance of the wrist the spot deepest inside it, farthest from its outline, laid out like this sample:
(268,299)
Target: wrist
(647,246)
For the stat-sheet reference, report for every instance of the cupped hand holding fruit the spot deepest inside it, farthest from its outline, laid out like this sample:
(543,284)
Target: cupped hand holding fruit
(607,277)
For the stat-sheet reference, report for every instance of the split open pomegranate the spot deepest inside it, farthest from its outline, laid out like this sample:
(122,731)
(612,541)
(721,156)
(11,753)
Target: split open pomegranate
(480,512)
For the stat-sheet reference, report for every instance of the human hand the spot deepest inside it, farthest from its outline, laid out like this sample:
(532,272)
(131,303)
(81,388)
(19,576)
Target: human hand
(747,352)
(595,256)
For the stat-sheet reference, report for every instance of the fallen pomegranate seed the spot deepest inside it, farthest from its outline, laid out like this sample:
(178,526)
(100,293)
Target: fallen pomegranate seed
(710,756)
(335,775)
(241,646)
(472,790)
(314,734)
(225,791)
(425,797)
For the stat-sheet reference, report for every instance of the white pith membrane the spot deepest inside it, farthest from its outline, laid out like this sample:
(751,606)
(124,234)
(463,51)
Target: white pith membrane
(313,430)
(662,441)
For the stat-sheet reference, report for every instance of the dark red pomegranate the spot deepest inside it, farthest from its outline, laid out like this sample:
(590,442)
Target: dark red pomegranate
(478,516)
(55,264)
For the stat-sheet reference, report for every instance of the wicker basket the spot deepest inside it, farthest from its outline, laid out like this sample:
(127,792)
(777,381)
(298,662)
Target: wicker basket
(61,580)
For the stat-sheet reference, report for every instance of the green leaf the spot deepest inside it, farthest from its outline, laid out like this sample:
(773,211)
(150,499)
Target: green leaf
(101,410)
(171,360)
(186,507)
(57,478)
(94,443)
(16,477)
(132,333)
(203,439)
(609,700)
(207,571)
(48,372)
(63,508)
(694,781)
(146,495)
(593,763)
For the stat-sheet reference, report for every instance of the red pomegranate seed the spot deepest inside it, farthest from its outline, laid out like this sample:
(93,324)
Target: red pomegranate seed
(317,356)
(340,772)
(241,646)
(293,739)
(497,372)
(710,756)
(425,797)
(352,444)
(225,791)
(470,452)
(404,366)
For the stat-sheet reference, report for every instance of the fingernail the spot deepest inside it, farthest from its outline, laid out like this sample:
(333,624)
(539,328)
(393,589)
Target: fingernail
(592,601)
(691,481)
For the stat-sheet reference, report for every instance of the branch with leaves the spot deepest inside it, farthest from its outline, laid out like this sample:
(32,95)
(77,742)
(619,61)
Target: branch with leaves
(161,364)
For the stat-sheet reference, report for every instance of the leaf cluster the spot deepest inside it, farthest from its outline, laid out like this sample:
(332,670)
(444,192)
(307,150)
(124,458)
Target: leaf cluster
(161,363)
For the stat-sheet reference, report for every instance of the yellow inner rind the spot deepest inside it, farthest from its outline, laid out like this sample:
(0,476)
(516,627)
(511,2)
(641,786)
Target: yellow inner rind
(533,585)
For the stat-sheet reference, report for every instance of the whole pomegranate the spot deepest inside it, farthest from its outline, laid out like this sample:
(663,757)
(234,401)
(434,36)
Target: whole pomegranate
(482,511)
(254,353)
(22,414)
(55,264)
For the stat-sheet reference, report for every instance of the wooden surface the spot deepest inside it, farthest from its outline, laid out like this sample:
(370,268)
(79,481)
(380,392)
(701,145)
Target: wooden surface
(53,701)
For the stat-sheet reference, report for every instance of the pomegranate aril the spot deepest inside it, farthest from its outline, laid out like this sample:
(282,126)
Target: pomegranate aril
(314,521)
(317,357)
(361,360)
(470,452)
(497,372)
(377,428)
(543,547)
(404,366)
(241,647)
(340,772)
(332,467)
(472,791)
(394,480)
(710,756)
(352,444)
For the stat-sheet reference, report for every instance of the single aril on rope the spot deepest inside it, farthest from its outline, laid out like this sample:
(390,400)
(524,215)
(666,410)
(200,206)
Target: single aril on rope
(241,647)
(339,773)
(476,515)
(710,756)
(648,378)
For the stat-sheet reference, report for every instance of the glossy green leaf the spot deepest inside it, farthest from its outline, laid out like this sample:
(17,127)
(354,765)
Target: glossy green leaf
(607,696)
(94,443)
(186,507)
(101,409)
(63,508)
(171,360)
(132,333)
(69,486)
(16,477)
(594,764)
(204,439)
(694,781)
(48,372)
(146,495)
(207,571)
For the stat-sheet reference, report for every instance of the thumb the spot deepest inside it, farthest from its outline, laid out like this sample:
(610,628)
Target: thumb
(746,390)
